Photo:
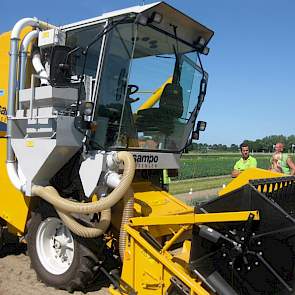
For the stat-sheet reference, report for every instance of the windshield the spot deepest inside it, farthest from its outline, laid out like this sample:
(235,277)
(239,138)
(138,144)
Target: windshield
(80,38)
(148,91)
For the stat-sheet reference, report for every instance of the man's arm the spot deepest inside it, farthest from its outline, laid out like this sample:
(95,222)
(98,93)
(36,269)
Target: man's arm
(291,164)
(235,173)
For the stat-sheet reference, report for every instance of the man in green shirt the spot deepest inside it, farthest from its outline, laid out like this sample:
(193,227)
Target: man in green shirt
(245,162)
(282,162)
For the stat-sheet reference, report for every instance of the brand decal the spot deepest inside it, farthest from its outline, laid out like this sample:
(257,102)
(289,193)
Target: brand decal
(146,158)
(3,114)
(2,92)
(146,161)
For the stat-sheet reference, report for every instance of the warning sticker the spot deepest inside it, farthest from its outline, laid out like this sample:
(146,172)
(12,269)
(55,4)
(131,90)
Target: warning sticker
(3,114)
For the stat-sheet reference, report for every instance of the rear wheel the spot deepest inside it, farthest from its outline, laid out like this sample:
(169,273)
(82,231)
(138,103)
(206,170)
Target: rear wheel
(60,258)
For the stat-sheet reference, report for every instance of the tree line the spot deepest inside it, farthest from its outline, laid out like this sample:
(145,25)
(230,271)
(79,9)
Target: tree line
(264,145)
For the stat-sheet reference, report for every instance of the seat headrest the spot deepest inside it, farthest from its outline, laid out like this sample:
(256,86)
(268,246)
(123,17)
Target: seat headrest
(171,100)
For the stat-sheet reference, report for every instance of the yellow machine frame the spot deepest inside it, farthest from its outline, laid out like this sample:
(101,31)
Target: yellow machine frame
(14,206)
(149,270)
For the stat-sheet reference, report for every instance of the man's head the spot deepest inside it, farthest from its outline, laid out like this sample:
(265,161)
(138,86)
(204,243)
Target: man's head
(279,147)
(244,150)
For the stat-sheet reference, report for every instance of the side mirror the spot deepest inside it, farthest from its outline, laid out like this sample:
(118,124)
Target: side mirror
(86,109)
(201,126)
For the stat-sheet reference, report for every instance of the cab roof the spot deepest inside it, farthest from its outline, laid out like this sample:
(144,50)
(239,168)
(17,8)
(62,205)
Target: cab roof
(187,28)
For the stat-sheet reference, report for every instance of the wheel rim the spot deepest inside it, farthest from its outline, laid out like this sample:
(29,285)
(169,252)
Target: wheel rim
(55,246)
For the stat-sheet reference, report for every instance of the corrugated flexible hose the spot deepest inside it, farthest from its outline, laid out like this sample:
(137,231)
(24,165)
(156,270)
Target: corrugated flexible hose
(128,212)
(65,207)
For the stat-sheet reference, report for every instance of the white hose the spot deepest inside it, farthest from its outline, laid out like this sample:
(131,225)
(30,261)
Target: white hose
(39,68)
(28,21)
(65,207)
(51,195)
(23,56)
(14,177)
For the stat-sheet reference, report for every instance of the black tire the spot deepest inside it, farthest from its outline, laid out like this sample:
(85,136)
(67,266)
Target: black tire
(84,259)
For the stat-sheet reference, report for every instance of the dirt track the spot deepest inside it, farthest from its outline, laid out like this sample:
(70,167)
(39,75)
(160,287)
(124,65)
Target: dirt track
(17,278)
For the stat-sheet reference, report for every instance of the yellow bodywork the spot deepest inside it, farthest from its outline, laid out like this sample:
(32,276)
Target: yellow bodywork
(14,206)
(244,177)
(4,65)
(148,270)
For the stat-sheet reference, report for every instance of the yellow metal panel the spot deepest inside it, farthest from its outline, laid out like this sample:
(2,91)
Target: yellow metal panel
(148,272)
(244,177)
(153,270)
(4,68)
(194,218)
(128,265)
(184,255)
(13,205)
(151,201)
(114,291)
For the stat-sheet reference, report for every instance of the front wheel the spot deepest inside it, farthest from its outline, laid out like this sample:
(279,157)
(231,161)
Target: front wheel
(60,258)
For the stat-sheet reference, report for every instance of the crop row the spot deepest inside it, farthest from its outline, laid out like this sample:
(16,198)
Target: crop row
(214,165)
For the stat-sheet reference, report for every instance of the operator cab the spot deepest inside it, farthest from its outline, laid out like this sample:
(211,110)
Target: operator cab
(142,72)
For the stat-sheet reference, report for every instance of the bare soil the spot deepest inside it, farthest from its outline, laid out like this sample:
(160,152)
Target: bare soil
(17,278)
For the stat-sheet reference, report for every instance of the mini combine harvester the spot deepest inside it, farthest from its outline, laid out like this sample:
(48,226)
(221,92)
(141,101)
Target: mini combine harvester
(85,138)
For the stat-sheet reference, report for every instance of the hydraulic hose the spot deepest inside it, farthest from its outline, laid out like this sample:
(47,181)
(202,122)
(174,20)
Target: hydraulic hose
(128,212)
(65,207)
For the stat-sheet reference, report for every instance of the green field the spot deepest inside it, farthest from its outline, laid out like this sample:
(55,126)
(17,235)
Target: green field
(199,165)
(199,184)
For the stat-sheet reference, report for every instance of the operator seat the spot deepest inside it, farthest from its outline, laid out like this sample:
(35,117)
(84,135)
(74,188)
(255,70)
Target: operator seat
(162,118)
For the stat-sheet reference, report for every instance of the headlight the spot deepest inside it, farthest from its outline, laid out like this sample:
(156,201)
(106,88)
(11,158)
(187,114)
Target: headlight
(87,108)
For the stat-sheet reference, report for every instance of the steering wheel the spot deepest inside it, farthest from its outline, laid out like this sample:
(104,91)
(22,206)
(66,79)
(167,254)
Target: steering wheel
(132,89)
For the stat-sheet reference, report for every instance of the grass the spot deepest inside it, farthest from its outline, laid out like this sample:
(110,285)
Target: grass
(200,165)
(198,171)
(198,184)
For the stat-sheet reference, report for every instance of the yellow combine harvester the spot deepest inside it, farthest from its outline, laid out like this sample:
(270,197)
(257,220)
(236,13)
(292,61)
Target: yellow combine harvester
(82,160)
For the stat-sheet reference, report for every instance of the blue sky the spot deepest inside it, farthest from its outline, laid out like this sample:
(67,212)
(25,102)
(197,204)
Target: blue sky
(251,63)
